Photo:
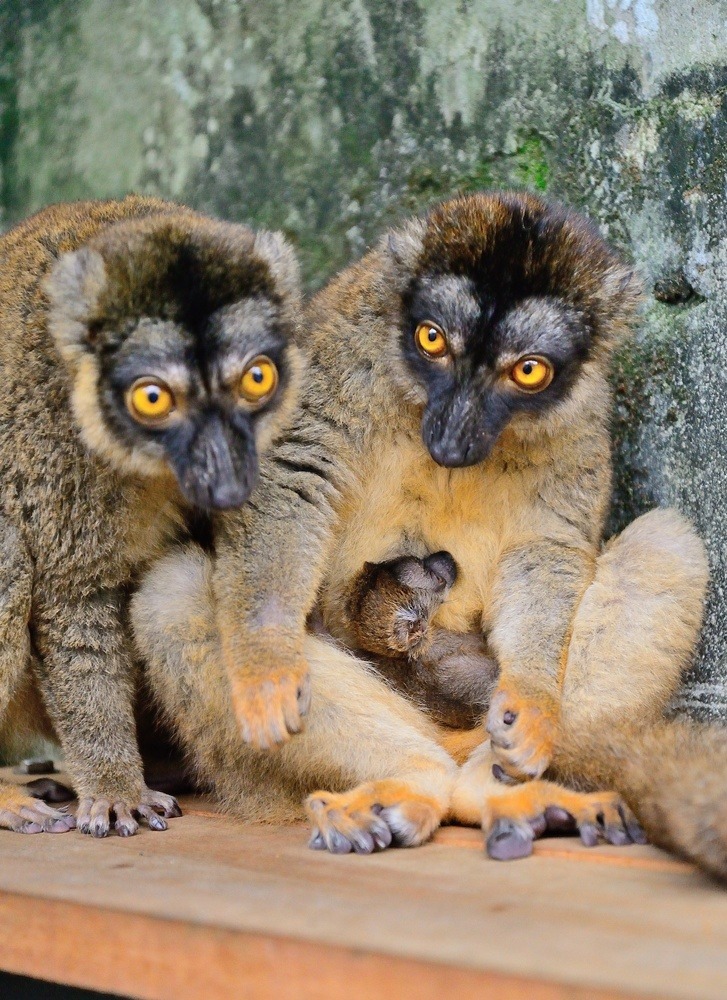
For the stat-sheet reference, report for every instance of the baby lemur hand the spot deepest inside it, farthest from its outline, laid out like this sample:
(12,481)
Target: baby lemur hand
(391,608)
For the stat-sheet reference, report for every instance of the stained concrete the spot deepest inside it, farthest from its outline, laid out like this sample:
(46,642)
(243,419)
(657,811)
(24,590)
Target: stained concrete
(333,119)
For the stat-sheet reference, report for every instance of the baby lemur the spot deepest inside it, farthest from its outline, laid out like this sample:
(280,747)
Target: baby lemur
(457,400)
(450,675)
(145,362)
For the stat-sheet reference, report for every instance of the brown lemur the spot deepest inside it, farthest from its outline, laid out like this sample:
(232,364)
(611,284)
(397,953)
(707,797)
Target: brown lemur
(457,399)
(146,360)
(391,607)
(672,771)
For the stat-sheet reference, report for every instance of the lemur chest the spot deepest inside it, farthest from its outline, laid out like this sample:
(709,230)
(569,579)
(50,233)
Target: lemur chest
(403,503)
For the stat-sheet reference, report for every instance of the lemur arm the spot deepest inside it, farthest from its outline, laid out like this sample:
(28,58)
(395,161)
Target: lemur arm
(537,592)
(268,568)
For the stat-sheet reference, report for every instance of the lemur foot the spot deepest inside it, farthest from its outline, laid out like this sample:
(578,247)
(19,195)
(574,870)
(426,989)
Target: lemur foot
(271,709)
(522,734)
(515,817)
(22,813)
(372,817)
(98,816)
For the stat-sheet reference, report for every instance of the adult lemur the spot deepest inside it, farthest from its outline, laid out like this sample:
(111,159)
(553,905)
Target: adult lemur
(458,400)
(145,360)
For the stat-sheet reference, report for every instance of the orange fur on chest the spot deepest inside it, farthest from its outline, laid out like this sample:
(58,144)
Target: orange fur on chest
(403,503)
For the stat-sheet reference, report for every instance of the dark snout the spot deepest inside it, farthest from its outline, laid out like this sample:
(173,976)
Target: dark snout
(462,429)
(218,469)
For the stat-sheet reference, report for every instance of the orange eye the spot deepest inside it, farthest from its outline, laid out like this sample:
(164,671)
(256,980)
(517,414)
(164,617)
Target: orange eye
(532,374)
(149,400)
(259,380)
(431,340)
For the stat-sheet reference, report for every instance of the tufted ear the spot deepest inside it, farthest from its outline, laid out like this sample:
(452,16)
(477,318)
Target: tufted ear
(405,245)
(402,249)
(619,297)
(281,258)
(73,289)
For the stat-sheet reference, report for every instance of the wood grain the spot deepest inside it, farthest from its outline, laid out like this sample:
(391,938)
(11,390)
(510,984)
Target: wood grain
(214,908)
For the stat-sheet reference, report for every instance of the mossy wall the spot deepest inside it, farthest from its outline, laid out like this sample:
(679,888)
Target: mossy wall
(333,119)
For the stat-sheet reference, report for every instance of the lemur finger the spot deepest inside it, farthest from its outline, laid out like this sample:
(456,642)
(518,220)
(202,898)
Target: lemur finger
(161,802)
(124,823)
(94,817)
(509,840)
(153,820)
(316,842)
(588,833)
(635,830)
(47,822)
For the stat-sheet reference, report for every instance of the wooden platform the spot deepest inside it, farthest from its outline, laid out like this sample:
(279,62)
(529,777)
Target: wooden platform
(212,908)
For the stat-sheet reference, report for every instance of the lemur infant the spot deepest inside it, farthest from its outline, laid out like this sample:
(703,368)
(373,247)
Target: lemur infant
(145,363)
(451,675)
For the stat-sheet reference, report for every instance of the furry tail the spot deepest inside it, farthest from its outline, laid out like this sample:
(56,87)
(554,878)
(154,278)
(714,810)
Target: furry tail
(673,775)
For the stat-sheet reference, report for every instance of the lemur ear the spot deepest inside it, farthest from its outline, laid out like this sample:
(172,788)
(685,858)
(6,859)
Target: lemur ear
(73,289)
(280,257)
(620,296)
(405,245)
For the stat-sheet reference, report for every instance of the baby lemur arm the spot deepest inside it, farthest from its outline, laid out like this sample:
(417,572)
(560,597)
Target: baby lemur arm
(268,568)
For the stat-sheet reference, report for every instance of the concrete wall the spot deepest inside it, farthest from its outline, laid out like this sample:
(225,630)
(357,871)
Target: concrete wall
(333,119)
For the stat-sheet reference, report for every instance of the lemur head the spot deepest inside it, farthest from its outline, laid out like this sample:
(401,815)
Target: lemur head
(393,602)
(176,330)
(509,310)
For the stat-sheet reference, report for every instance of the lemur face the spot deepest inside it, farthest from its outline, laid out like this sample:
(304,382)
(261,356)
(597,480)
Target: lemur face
(182,352)
(506,301)
(396,600)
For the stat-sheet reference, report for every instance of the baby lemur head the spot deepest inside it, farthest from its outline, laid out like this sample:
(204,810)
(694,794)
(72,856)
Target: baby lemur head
(392,603)
(509,310)
(176,331)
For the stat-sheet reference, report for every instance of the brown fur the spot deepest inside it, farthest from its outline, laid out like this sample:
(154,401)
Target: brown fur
(524,526)
(83,509)
(450,675)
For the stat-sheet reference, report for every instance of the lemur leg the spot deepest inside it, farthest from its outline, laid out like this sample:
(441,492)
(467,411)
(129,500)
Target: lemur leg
(391,782)
(87,678)
(18,810)
(512,817)
(634,634)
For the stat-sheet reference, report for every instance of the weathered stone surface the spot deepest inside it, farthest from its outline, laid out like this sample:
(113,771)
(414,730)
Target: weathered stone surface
(331,120)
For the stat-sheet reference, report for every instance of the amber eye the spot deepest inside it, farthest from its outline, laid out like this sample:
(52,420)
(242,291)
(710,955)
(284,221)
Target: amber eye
(259,380)
(532,374)
(431,340)
(149,400)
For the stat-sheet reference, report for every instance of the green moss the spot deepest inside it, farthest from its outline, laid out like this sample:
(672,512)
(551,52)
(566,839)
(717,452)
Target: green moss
(532,168)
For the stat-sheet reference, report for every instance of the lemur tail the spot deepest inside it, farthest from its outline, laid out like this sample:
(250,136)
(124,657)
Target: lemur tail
(673,774)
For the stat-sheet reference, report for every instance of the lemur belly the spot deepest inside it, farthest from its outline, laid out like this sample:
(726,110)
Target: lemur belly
(406,504)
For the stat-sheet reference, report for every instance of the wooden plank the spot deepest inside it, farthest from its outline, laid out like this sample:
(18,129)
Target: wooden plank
(156,959)
(216,908)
